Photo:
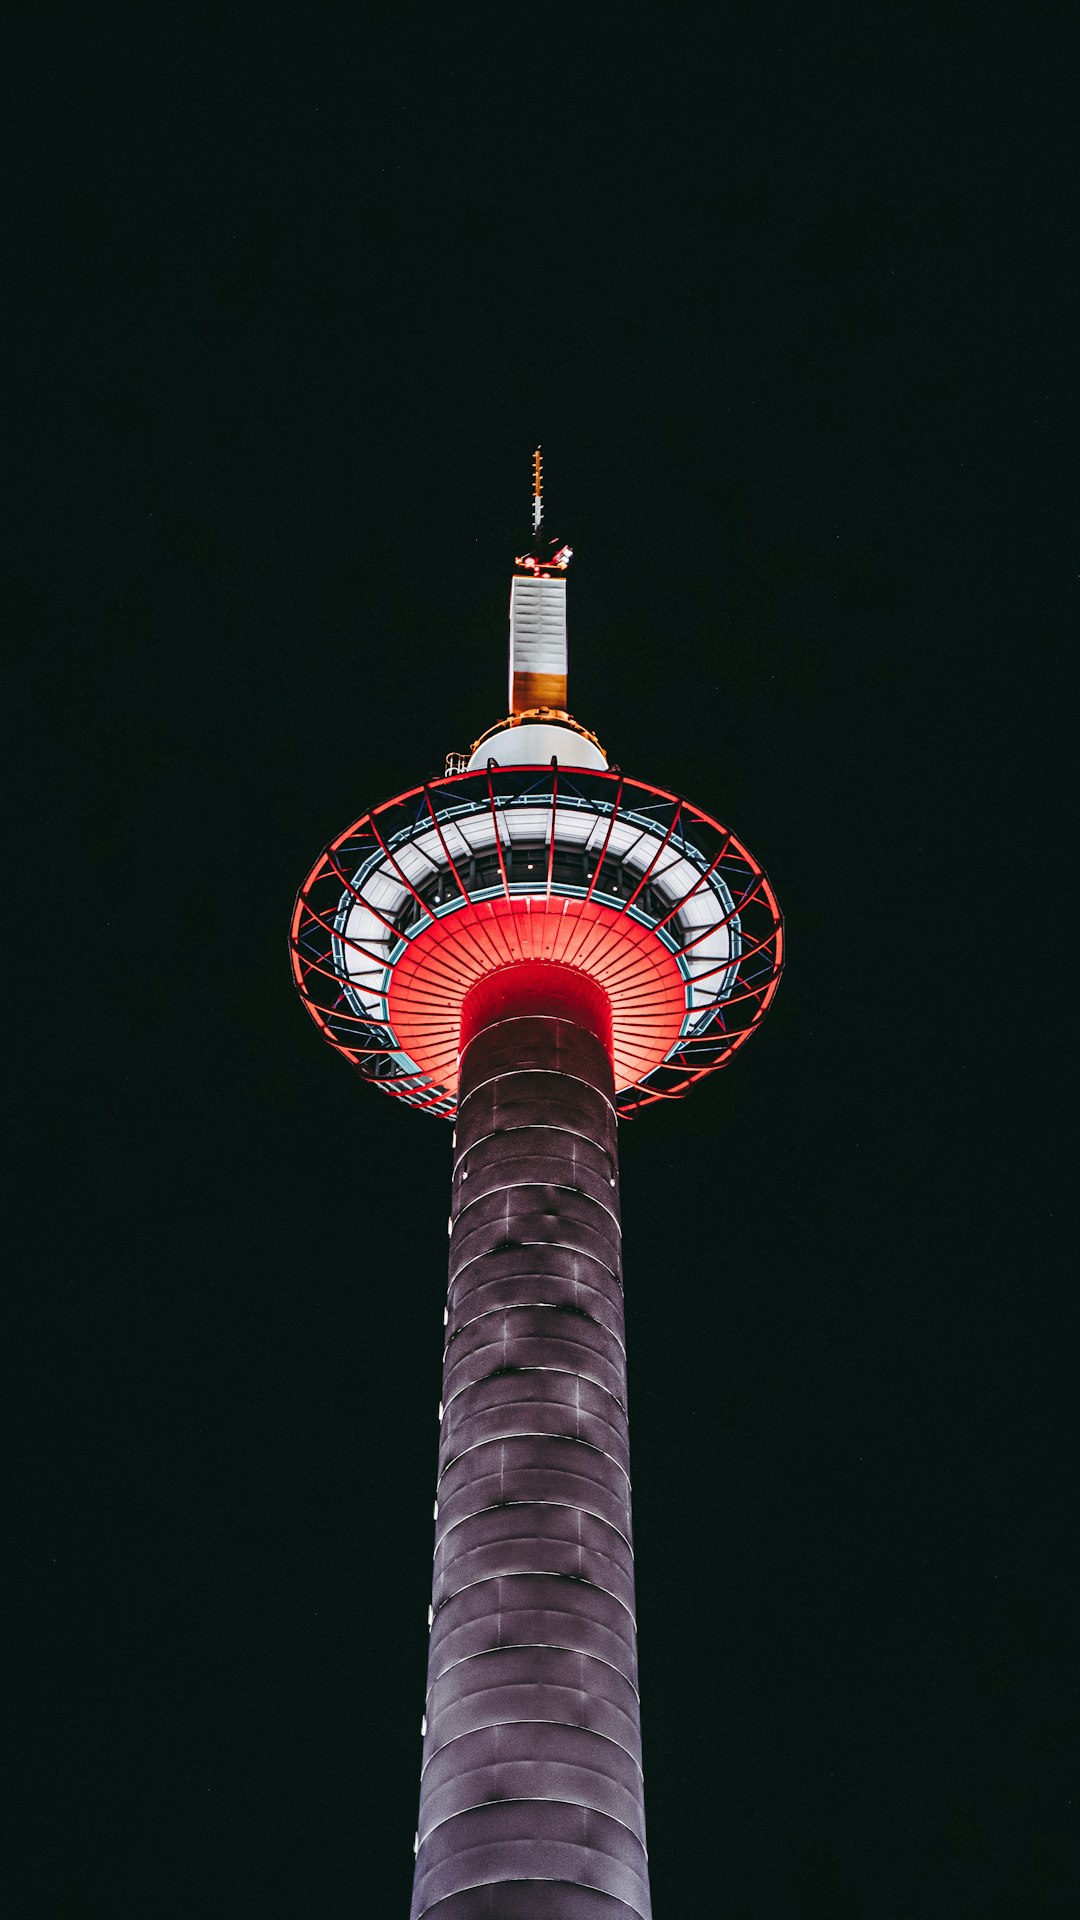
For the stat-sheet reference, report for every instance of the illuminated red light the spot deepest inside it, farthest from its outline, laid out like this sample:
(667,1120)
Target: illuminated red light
(409,1044)
(635,971)
(537,988)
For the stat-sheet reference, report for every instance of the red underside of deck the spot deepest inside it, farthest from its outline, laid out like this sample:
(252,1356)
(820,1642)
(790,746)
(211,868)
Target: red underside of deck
(636,971)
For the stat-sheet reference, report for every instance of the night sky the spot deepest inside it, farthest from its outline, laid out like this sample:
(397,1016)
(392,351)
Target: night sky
(774,287)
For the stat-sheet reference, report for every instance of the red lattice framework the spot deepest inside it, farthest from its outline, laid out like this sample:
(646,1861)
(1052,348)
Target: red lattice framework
(654,901)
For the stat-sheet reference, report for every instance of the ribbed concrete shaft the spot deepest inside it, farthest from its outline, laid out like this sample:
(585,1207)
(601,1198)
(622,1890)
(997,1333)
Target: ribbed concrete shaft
(531,1796)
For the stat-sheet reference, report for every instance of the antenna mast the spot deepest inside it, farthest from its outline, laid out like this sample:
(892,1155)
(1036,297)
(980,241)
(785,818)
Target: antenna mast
(538,491)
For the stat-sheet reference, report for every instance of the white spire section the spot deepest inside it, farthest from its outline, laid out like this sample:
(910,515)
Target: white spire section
(537,642)
(538,663)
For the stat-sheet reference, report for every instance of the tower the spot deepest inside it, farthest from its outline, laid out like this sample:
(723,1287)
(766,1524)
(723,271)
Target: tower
(532,947)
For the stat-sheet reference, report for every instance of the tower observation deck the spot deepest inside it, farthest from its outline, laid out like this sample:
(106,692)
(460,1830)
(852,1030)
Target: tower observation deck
(533,946)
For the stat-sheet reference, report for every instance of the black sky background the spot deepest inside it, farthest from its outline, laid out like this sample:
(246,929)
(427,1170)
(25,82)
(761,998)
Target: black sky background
(778,291)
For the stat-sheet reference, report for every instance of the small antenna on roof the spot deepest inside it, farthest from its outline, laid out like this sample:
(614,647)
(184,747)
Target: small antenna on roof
(538,491)
(542,557)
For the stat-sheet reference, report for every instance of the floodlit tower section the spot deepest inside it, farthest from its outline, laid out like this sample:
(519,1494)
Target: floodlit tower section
(537,643)
(538,620)
(533,947)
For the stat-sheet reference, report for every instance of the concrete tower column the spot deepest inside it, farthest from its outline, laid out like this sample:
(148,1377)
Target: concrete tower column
(531,1803)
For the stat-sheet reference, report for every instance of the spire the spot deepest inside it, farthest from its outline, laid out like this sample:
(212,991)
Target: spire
(538,616)
(544,556)
(538,726)
(538,492)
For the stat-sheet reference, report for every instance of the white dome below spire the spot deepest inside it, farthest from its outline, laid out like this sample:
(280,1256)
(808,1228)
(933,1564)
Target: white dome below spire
(535,743)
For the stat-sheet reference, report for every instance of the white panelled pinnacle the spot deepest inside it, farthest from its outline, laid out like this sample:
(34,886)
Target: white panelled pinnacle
(537,641)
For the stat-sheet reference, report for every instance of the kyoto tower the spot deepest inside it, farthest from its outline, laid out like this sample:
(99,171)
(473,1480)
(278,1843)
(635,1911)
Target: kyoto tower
(533,947)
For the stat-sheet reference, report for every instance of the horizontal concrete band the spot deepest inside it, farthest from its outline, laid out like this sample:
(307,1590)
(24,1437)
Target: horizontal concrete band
(531,1799)
(526,1489)
(526,1760)
(507,1608)
(531,1177)
(539,1181)
(506,1454)
(559,1383)
(505,1458)
(497,1295)
(551,1558)
(530,1900)
(542,1131)
(506,1294)
(561,1579)
(531,1452)
(513,1092)
(507,1428)
(529,1138)
(531,1839)
(556,1046)
(539,1663)
(540,1271)
(474,1393)
(538,1262)
(528,1155)
(576,1630)
(554,1634)
(543,1194)
(528,1220)
(532,1218)
(541,1684)
(514,1100)
(535,1537)
(432,1764)
(540,1399)
(570,1346)
(462,1535)
(559,1706)
(531,1112)
(535,1781)
(563,1637)
(544,1786)
(516,1254)
(518,1276)
(525,1320)
(535,1217)
(489,1285)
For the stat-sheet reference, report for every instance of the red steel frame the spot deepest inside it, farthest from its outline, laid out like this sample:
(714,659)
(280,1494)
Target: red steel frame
(712,1032)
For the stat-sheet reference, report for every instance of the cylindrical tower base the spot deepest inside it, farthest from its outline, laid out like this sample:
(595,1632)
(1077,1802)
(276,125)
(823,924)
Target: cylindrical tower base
(531,1801)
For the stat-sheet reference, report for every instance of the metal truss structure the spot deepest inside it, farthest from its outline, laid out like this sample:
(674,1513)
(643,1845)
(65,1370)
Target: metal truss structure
(652,899)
